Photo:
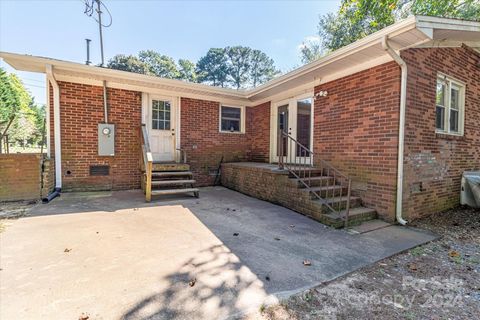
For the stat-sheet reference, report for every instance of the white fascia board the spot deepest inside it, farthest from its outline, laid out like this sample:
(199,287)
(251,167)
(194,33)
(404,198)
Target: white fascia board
(446,23)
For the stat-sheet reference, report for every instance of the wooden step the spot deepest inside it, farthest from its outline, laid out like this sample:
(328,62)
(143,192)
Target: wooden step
(174,191)
(171,173)
(169,166)
(171,182)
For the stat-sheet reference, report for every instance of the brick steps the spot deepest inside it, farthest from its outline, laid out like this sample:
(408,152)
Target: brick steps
(335,195)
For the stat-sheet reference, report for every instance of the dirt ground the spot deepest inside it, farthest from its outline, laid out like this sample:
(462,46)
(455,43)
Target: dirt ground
(13,210)
(439,280)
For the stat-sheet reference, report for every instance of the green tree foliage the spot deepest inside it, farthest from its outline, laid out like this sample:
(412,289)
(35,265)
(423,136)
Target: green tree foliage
(262,68)
(128,63)
(159,65)
(237,66)
(16,101)
(212,68)
(186,70)
(359,18)
(9,99)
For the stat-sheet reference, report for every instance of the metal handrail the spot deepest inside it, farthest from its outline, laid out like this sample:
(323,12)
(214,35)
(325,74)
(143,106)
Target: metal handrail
(298,160)
(147,162)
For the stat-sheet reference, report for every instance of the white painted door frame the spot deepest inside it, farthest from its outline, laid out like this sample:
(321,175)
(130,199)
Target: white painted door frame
(292,123)
(163,140)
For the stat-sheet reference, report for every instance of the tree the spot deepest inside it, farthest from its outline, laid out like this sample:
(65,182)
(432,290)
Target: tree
(262,68)
(359,18)
(158,64)
(128,63)
(187,70)
(9,99)
(212,68)
(239,65)
(310,51)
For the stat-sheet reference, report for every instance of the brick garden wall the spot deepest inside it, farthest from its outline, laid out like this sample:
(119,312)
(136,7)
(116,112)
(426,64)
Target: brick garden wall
(81,109)
(434,162)
(356,129)
(20,176)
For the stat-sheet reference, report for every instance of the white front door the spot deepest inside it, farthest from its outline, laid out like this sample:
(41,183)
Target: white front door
(294,117)
(161,128)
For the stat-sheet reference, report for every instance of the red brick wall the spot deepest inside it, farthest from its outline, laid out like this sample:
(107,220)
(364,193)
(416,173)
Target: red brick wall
(20,176)
(81,110)
(433,160)
(259,126)
(203,142)
(356,129)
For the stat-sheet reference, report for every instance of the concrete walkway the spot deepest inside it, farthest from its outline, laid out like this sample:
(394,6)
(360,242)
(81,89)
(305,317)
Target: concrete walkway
(113,256)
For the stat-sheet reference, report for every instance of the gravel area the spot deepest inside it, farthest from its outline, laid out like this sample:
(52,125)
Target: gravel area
(439,280)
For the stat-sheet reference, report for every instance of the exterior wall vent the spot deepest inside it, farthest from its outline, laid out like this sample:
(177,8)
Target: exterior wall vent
(99,170)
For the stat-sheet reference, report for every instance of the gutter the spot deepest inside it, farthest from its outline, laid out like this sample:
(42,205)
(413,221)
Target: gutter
(401,127)
(56,134)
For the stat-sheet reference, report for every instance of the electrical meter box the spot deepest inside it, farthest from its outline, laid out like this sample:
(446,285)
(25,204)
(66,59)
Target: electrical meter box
(106,139)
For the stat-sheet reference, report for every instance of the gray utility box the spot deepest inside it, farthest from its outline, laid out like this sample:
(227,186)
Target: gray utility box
(470,190)
(106,139)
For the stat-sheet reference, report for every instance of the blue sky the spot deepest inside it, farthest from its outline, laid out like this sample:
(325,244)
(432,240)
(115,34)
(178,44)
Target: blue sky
(180,29)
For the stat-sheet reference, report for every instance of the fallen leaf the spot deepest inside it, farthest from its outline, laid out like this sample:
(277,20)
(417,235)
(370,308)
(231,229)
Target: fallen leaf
(67,250)
(267,278)
(192,282)
(276,238)
(412,267)
(453,254)
(235,234)
(292,226)
(307,263)
(84,316)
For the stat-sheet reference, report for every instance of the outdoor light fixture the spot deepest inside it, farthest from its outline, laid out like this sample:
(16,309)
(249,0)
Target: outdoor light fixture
(321,94)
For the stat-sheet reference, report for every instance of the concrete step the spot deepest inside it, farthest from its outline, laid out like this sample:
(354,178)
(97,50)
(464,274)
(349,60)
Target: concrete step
(175,191)
(355,217)
(171,182)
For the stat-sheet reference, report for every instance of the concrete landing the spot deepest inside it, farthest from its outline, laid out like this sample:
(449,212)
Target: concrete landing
(113,256)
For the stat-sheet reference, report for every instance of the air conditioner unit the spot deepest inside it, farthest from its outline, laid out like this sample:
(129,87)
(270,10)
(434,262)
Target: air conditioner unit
(470,189)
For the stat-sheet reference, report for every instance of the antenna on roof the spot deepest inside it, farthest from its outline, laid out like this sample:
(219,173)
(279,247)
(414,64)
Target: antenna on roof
(89,10)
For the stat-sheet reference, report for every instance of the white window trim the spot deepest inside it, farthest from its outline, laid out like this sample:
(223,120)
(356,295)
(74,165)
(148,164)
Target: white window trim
(242,118)
(461,105)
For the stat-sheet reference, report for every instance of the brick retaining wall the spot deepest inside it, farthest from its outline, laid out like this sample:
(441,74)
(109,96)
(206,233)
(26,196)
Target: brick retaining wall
(20,176)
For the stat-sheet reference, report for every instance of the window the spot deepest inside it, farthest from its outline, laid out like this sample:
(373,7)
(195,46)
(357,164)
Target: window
(449,109)
(231,119)
(160,115)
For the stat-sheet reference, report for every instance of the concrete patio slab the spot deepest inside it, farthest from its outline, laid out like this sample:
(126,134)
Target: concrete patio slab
(127,259)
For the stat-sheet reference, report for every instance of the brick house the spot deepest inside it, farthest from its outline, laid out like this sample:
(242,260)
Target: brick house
(384,126)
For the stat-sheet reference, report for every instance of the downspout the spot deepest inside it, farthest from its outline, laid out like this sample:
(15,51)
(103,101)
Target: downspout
(401,127)
(56,135)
